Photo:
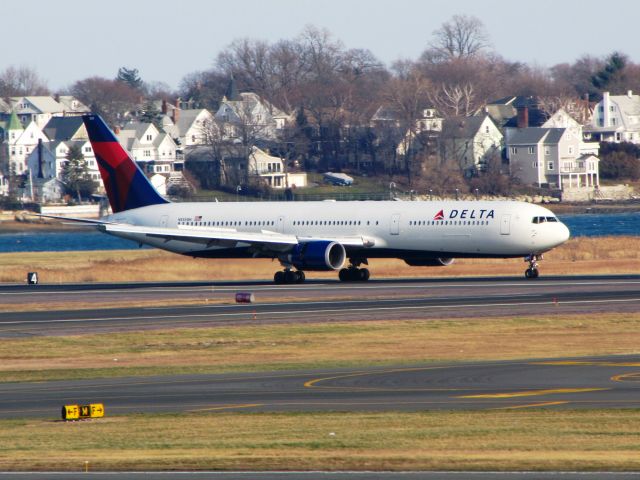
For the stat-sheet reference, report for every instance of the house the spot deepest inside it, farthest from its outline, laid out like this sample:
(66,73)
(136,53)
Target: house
(153,150)
(187,127)
(271,170)
(470,142)
(246,116)
(65,128)
(48,158)
(19,142)
(427,120)
(616,118)
(552,157)
(40,109)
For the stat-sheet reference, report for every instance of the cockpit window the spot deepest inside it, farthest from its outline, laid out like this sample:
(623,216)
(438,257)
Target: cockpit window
(544,219)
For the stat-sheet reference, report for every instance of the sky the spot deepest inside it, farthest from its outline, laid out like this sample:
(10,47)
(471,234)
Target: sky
(69,40)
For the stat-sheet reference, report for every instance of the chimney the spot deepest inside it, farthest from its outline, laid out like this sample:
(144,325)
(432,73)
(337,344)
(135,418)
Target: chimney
(40,174)
(523,116)
(164,107)
(176,115)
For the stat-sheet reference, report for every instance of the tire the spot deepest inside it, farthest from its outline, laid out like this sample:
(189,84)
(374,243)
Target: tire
(343,275)
(300,276)
(364,274)
(278,277)
(290,277)
(535,273)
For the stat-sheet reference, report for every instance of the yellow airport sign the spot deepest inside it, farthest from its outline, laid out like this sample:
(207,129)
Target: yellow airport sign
(80,412)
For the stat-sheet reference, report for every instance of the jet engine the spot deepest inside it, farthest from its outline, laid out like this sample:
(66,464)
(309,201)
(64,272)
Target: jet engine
(320,255)
(429,262)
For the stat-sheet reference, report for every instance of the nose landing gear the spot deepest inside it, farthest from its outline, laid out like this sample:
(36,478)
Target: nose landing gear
(532,271)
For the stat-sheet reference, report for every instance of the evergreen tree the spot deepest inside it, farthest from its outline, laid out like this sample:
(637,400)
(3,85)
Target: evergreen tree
(613,69)
(130,77)
(151,114)
(75,174)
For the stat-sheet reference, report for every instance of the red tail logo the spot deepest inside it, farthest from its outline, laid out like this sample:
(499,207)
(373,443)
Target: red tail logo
(439,215)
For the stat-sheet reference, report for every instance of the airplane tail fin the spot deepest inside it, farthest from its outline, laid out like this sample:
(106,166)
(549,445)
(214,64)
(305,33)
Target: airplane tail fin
(126,185)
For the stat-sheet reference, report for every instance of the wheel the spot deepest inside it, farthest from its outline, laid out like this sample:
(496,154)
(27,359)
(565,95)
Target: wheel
(364,274)
(343,275)
(527,273)
(300,276)
(290,276)
(535,273)
(278,277)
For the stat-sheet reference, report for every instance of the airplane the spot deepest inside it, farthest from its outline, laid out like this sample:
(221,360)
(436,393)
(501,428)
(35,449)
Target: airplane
(321,235)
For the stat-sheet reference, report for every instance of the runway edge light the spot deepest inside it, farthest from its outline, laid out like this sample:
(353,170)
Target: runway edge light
(81,412)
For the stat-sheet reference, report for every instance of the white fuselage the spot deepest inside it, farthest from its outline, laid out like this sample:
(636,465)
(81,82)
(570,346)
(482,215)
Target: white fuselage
(395,229)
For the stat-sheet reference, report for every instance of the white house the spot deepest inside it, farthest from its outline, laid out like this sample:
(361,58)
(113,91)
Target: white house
(252,115)
(20,142)
(616,118)
(470,142)
(47,160)
(551,157)
(154,151)
(188,127)
(271,170)
(40,109)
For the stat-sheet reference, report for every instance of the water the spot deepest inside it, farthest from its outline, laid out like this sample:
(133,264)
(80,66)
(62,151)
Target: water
(62,242)
(599,225)
(589,225)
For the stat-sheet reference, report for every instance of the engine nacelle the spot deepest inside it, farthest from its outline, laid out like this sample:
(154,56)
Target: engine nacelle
(429,262)
(320,256)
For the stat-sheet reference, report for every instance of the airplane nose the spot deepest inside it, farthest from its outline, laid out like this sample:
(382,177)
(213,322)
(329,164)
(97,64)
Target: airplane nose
(563,234)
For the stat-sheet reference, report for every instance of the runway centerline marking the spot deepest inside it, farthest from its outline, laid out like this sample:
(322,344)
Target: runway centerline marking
(533,393)
(226,407)
(627,377)
(532,405)
(330,310)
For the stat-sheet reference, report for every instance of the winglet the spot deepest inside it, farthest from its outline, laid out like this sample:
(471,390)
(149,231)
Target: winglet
(126,185)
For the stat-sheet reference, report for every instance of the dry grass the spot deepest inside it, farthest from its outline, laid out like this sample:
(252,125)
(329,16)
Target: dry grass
(604,255)
(270,347)
(490,440)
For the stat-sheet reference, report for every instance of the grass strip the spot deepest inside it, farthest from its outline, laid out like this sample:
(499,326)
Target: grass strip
(582,255)
(489,440)
(316,346)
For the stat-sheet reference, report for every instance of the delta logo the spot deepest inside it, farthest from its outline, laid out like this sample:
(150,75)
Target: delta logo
(466,214)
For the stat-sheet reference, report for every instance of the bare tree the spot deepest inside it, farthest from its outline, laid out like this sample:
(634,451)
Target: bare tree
(110,98)
(19,81)
(454,100)
(463,36)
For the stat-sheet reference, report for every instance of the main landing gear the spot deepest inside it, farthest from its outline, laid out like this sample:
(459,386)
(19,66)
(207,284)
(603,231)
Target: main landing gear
(289,276)
(353,273)
(532,271)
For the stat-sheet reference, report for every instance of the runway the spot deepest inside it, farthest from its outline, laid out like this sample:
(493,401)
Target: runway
(573,383)
(205,304)
(611,382)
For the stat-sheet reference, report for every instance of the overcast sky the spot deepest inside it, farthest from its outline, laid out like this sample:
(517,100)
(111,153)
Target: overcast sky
(68,40)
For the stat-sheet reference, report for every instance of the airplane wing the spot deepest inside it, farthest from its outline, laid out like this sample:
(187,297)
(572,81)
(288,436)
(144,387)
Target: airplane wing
(210,237)
(86,221)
